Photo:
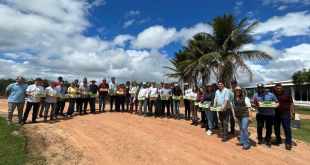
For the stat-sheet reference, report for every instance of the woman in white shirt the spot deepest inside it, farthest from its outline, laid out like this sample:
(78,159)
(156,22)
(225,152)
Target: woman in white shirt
(194,108)
(187,102)
(143,93)
(133,97)
(241,108)
(50,100)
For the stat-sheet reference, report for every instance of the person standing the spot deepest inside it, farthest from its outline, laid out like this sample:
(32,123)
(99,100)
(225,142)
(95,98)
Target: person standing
(33,101)
(42,100)
(50,100)
(113,85)
(234,83)
(208,98)
(242,114)
(17,94)
(187,102)
(283,115)
(58,83)
(193,107)
(84,98)
(264,114)
(61,102)
(143,93)
(200,96)
(153,91)
(159,102)
(133,97)
(72,91)
(176,91)
(148,99)
(78,101)
(94,90)
(127,98)
(121,98)
(103,95)
(171,100)
(166,91)
(222,98)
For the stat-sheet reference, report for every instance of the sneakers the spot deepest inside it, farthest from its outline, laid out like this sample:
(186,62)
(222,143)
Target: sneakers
(260,142)
(239,144)
(268,144)
(68,115)
(22,123)
(224,140)
(245,148)
(277,142)
(209,132)
(288,147)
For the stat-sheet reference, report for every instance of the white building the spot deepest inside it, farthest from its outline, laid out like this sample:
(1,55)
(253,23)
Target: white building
(301,96)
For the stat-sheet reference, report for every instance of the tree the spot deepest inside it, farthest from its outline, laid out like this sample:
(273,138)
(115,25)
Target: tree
(178,70)
(302,78)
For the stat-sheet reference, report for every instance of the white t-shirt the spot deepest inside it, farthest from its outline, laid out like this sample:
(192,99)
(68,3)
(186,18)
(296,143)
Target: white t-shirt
(187,92)
(33,89)
(113,86)
(192,94)
(49,90)
(247,102)
(153,91)
(143,92)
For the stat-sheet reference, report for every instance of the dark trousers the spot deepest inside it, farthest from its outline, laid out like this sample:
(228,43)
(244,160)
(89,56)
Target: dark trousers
(92,104)
(151,103)
(34,111)
(134,103)
(71,106)
(112,99)
(159,106)
(171,104)
(232,121)
(286,124)
(260,125)
(187,104)
(85,102)
(120,101)
(224,116)
(60,107)
(165,103)
(78,102)
(128,103)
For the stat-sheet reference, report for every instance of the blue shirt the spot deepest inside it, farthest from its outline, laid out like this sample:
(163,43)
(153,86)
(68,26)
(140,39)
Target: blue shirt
(94,89)
(221,96)
(62,90)
(17,93)
(268,97)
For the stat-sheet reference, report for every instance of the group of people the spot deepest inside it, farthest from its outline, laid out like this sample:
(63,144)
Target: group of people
(233,103)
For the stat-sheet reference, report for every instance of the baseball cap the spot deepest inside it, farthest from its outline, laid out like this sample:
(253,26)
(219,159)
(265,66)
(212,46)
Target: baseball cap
(38,79)
(144,83)
(260,85)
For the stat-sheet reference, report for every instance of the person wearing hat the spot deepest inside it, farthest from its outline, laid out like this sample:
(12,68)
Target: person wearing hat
(84,98)
(17,94)
(103,94)
(234,83)
(73,90)
(264,113)
(50,100)
(42,100)
(208,98)
(241,110)
(32,101)
(171,100)
(166,91)
(176,91)
(94,90)
(113,85)
(143,93)
(153,91)
(187,92)
(128,96)
(133,97)
(120,99)
(159,101)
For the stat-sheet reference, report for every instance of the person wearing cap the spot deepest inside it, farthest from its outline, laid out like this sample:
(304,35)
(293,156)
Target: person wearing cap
(61,102)
(234,83)
(241,110)
(103,94)
(222,99)
(176,91)
(283,115)
(127,98)
(73,90)
(17,94)
(264,113)
(84,98)
(33,101)
(166,91)
(133,97)
(171,100)
(196,94)
(78,101)
(42,100)
(113,85)
(121,97)
(143,92)
(50,100)
(159,101)
(58,83)
(153,91)
(187,92)
(94,90)
(208,98)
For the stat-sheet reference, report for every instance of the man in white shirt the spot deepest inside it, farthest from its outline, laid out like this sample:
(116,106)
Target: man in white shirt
(33,101)
(159,102)
(153,91)
(50,100)
(143,93)
(113,85)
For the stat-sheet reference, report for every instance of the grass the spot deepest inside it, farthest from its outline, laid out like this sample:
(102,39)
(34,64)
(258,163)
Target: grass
(302,134)
(302,110)
(13,149)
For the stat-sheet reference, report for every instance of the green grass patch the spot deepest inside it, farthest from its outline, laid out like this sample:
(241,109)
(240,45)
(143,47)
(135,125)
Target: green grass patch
(302,110)
(13,148)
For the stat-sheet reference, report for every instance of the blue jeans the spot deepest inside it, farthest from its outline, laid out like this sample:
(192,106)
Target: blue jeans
(92,104)
(176,109)
(232,121)
(210,117)
(215,119)
(286,124)
(144,103)
(47,107)
(102,99)
(244,133)
(71,106)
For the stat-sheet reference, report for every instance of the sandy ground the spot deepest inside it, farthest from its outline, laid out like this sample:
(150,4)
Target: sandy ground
(123,138)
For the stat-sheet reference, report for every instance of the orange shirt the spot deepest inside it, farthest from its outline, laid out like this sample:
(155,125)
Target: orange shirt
(121,90)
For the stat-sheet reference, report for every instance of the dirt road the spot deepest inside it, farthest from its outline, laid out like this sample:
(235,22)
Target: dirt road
(122,138)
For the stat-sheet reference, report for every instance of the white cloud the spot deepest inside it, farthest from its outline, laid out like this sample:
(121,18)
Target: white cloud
(160,19)
(128,23)
(132,13)
(121,39)
(144,20)
(304,2)
(238,7)
(20,55)
(250,14)
(101,30)
(283,7)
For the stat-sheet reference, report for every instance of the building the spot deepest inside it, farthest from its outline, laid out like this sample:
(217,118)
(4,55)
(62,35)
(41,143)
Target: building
(300,95)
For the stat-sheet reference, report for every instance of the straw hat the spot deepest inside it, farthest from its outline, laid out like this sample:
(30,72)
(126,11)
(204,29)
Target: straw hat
(93,80)
(238,88)
(166,83)
(186,84)
(210,85)
(176,85)
(153,81)
(121,83)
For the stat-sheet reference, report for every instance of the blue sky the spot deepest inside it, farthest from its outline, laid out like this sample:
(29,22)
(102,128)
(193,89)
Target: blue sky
(134,39)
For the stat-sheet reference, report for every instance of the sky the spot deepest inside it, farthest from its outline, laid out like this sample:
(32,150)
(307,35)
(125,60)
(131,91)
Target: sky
(132,40)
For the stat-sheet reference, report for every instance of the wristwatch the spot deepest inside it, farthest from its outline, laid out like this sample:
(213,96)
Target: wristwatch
(293,114)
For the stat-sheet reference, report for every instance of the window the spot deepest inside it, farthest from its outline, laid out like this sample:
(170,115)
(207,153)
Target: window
(304,94)
(297,94)
(287,89)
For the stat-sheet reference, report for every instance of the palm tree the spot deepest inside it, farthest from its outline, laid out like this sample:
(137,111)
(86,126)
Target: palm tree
(178,70)
(229,36)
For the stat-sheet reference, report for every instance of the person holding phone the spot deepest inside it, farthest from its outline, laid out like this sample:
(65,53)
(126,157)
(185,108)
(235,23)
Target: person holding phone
(241,110)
